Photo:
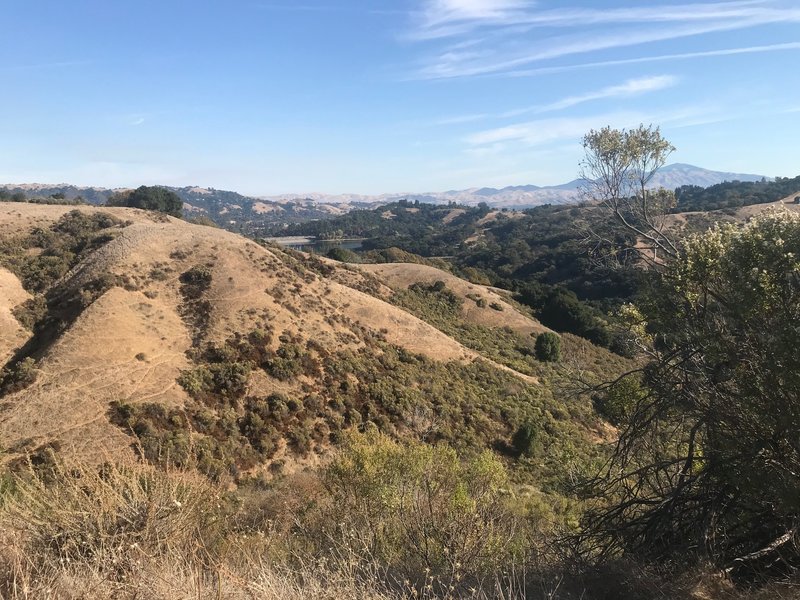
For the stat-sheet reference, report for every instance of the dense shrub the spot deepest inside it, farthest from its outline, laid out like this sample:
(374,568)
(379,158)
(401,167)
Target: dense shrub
(343,255)
(525,439)
(619,401)
(195,282)
(563,311)
(17,376)
(150,198)
(422,510)
(548,347)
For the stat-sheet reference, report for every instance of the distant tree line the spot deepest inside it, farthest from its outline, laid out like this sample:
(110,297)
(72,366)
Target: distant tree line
(733,194)
(150,198)
(56,198)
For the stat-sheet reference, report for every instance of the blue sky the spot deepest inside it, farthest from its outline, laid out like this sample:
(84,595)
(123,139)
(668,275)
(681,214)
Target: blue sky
(274,96)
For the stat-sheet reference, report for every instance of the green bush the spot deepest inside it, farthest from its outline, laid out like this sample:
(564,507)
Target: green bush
(343,255)
(195,282)
(150,198)
(525,439)
(548,347)
(620,400)
(18,376)
(31,312)
(421,509)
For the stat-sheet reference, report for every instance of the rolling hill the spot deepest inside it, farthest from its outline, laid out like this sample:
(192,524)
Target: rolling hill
(255,216)
(130,326)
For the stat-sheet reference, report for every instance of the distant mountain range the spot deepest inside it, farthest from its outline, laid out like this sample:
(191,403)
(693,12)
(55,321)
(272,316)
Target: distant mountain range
(250,215)
(527,196)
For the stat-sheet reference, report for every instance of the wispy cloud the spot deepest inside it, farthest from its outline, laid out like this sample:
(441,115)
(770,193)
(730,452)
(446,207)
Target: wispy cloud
(657,58)
(632,87)
(446,18)
(539,132)
(628,89)
(515,34)
(543,133)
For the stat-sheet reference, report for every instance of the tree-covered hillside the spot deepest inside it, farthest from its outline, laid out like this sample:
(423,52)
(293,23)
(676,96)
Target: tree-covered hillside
(733,194)
(548,256)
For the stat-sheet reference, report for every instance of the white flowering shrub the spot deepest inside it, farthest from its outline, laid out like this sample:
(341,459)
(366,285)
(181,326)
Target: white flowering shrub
(709,455)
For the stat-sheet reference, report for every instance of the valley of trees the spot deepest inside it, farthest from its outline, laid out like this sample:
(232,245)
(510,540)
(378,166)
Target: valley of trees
(542,255)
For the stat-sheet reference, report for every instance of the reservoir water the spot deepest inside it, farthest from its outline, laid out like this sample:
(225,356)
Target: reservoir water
(304,244)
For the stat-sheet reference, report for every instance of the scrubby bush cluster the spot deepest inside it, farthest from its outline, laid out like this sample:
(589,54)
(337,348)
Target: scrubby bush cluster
(41,259)
(228,429)
(44,256)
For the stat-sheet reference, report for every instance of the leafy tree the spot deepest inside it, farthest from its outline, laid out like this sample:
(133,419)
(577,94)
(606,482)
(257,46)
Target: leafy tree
(548,347)
(563,311)
(617,169)
(708,459)
(150,198)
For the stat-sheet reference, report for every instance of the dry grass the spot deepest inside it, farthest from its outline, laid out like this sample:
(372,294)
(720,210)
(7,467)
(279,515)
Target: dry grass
(401,275)
(12,334)
(95,361)
(134,532)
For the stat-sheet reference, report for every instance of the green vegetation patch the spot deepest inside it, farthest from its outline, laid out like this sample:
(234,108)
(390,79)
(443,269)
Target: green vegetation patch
(226,429)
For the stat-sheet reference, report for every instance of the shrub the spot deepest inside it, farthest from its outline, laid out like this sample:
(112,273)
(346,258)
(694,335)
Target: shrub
(31,312)
(421,509)
(620,400)
(343,255)
(195,282)
(525,438)
(548,347)
(18,376)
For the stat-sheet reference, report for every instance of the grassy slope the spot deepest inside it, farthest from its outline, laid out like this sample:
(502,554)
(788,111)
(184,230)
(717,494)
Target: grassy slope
(336,353)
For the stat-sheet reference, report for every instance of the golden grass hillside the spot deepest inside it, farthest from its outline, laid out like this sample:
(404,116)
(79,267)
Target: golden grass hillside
(478,300)
(145,327)
(12,334)
(131,343)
